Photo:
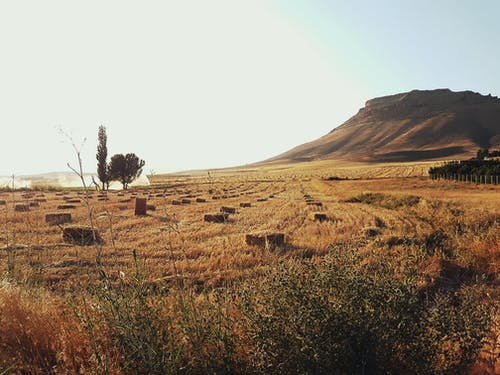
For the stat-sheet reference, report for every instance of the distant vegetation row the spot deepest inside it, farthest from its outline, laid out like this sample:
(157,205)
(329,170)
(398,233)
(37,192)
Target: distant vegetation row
(484,168)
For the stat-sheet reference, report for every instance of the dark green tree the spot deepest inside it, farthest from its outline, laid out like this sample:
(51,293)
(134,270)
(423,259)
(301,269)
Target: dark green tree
(125,168)
(101,156)
(482,153)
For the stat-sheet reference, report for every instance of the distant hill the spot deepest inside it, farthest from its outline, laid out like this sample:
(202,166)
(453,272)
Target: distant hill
(413,126)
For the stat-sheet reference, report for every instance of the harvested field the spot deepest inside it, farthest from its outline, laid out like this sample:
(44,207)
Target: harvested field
(449,232)
(214,254)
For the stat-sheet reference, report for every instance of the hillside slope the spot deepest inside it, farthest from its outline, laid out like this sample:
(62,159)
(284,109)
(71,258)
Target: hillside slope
(413,126)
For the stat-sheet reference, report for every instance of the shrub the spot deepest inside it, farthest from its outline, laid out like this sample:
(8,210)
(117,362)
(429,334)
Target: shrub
(139,330)
(341,318)
(385,200)
(468,167)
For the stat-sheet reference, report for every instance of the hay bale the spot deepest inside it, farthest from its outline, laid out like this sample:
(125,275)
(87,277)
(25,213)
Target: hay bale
(216,218)
(319,216)
(176,202)
(258,240)
(266,240)
(371,232)
(229,210)
(318,204)
(261,199)
(140,206)
(81,235)
(34,204)
(125,200)
(3,203)
(58,218)
(215,197)
(245,204)
(40,200)
(73,200)
(274,240)
(200,200)
(150,207)
(22,207)
(185,201)
(66,206)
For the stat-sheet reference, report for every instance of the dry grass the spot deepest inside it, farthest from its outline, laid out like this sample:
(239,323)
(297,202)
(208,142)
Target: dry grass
(37,336)
(430,221)
(176,242)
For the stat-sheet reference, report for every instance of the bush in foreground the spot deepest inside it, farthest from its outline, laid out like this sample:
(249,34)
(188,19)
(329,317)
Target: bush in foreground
(339,316)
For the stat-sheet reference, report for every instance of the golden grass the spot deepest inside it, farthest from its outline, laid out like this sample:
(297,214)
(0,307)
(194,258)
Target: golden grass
(453,221)
(175,241)
(36,334)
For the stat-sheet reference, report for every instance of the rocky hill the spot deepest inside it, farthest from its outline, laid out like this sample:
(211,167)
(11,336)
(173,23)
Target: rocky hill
(412,126)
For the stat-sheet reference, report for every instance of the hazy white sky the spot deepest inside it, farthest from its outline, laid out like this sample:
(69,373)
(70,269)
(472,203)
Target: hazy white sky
(204,84)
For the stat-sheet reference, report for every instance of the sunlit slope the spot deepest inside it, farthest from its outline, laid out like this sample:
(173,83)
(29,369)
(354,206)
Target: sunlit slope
(413,126)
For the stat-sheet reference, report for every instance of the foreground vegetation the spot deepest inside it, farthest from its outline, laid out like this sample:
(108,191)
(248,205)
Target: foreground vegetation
(401,278)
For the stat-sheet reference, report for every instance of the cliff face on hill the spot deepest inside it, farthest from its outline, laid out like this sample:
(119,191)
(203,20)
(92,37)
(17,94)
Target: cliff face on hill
(412,126)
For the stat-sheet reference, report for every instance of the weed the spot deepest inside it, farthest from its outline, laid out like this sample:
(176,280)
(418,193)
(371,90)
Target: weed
(341,318)
(385,200)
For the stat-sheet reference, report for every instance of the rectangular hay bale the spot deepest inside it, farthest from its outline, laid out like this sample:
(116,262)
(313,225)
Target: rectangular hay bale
(229,210)
(319,216)
(66,206)
(57,218)
(22,207)
(81,235)
(266,240)
(140,206)
(216,218)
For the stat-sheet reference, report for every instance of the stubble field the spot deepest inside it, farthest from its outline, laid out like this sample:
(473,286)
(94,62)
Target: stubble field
(447,233)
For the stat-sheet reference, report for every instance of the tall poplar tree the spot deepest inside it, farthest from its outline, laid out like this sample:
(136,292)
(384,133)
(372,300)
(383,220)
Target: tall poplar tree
(101,156)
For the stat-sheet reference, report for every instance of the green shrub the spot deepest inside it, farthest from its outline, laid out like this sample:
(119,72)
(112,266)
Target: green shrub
(301,318)
(468,167)
(136,328)
(133,330)
(341,318)
(385,200)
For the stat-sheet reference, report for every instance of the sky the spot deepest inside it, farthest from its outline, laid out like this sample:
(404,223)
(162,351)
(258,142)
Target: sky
(206,84)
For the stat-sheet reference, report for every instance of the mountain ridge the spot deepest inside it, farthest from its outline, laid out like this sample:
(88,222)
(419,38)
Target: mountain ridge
(413,126)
